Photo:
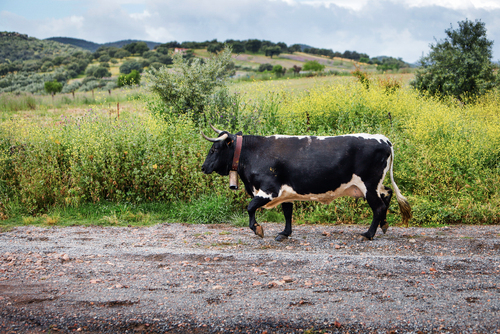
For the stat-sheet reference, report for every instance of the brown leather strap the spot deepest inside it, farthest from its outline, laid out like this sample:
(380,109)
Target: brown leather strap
(237,151)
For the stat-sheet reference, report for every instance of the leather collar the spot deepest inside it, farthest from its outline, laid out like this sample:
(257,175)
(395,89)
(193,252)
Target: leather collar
(237,152)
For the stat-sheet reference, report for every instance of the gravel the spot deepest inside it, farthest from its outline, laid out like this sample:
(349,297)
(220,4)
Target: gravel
(180,278)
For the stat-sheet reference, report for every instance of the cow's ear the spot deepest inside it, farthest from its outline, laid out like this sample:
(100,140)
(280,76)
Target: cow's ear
(239,133)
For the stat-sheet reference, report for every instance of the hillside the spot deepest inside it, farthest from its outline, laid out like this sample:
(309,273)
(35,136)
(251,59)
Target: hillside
(20,47)
(92,47)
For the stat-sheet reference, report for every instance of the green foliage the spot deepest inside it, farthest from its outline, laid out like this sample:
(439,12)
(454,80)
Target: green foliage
(133,78)
(253,45)
(136,47)
(278,70)
(129,66)
(122,54)
(447,155)
(313,65)
(215,47)
(98,72)
(460,65)
(15,46)
(53,87)
(265,67)
(188,88)
(271,51)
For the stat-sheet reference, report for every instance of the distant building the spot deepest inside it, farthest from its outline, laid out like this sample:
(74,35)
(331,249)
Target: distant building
(181,50)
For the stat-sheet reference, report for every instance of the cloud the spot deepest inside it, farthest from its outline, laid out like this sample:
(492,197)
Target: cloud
(401,28)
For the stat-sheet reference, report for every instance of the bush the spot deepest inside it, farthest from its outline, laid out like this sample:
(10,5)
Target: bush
(313,65)
(122,54)
(265,67)
(129,66)
(188,89)
(133,78)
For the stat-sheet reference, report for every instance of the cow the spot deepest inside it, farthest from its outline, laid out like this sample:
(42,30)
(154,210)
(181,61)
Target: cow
(282,169)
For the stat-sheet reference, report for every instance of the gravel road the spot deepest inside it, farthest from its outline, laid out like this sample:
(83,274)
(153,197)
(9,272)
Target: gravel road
(180,278)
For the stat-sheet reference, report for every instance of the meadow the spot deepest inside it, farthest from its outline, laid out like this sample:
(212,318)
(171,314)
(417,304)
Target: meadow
(77,162)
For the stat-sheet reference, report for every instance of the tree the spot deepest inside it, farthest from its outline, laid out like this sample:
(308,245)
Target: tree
(215,47)
(253,45)
(238,47)
(458,66)
(53,87)
(271,51)
(295,48)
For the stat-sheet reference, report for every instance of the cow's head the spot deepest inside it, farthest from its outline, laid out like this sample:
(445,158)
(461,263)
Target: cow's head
(220,156)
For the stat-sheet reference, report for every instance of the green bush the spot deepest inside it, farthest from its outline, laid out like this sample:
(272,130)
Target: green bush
(188,88)
(313,65)
(133,78)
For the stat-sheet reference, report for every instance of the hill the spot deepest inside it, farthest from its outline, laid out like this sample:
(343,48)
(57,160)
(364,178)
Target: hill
(81,43)
(19,47)
(92,47)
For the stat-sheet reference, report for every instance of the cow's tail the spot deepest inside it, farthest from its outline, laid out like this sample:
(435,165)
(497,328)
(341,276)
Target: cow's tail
(404,206)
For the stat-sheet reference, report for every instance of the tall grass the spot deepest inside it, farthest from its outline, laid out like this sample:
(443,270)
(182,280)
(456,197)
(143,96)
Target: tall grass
(10,102)
(447,155)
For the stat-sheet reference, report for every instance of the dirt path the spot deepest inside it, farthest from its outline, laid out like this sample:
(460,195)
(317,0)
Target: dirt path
(181,278)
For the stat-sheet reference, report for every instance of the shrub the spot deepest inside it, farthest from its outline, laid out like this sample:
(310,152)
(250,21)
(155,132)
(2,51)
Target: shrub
(362,76)
(129,66)
(265,67)
(189,87)
(313,65)
(133,78)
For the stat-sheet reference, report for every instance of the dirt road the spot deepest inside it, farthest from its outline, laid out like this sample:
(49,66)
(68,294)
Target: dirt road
(182,278)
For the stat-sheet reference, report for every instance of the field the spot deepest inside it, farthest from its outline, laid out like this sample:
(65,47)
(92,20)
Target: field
(74,160)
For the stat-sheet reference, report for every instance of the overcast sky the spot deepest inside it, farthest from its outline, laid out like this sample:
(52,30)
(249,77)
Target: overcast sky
(397,28)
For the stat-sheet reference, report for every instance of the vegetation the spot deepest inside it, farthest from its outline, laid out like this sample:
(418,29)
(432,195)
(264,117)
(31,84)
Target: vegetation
(313,65)
(147,167)
(190,87)
(460,65)
(447,154)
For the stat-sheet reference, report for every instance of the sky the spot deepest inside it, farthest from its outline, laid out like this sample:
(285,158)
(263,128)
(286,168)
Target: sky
(396,28)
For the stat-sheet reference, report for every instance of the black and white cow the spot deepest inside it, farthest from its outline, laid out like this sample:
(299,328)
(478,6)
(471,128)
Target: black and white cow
(282,169)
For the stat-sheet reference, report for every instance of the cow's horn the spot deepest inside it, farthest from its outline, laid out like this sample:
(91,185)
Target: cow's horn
(215,129)
(213,140)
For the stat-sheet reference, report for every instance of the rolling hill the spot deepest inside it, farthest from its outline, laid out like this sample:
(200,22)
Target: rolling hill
(92,47)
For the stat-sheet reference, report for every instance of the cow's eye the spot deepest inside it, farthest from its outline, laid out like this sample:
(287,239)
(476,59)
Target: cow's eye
(212,151)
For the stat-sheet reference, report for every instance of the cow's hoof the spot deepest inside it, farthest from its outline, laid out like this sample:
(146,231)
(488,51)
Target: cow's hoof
(281,237)
(365,236)
(385,227)
(259,231)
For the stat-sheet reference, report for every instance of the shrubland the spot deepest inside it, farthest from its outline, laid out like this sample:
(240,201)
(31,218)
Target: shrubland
(447,154)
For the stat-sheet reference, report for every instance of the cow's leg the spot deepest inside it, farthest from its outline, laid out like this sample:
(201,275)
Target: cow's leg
(256,203)
(387,200)
(287,211)
(379,209)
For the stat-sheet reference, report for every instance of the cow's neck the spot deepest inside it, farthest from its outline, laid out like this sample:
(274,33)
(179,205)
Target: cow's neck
(237,152)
